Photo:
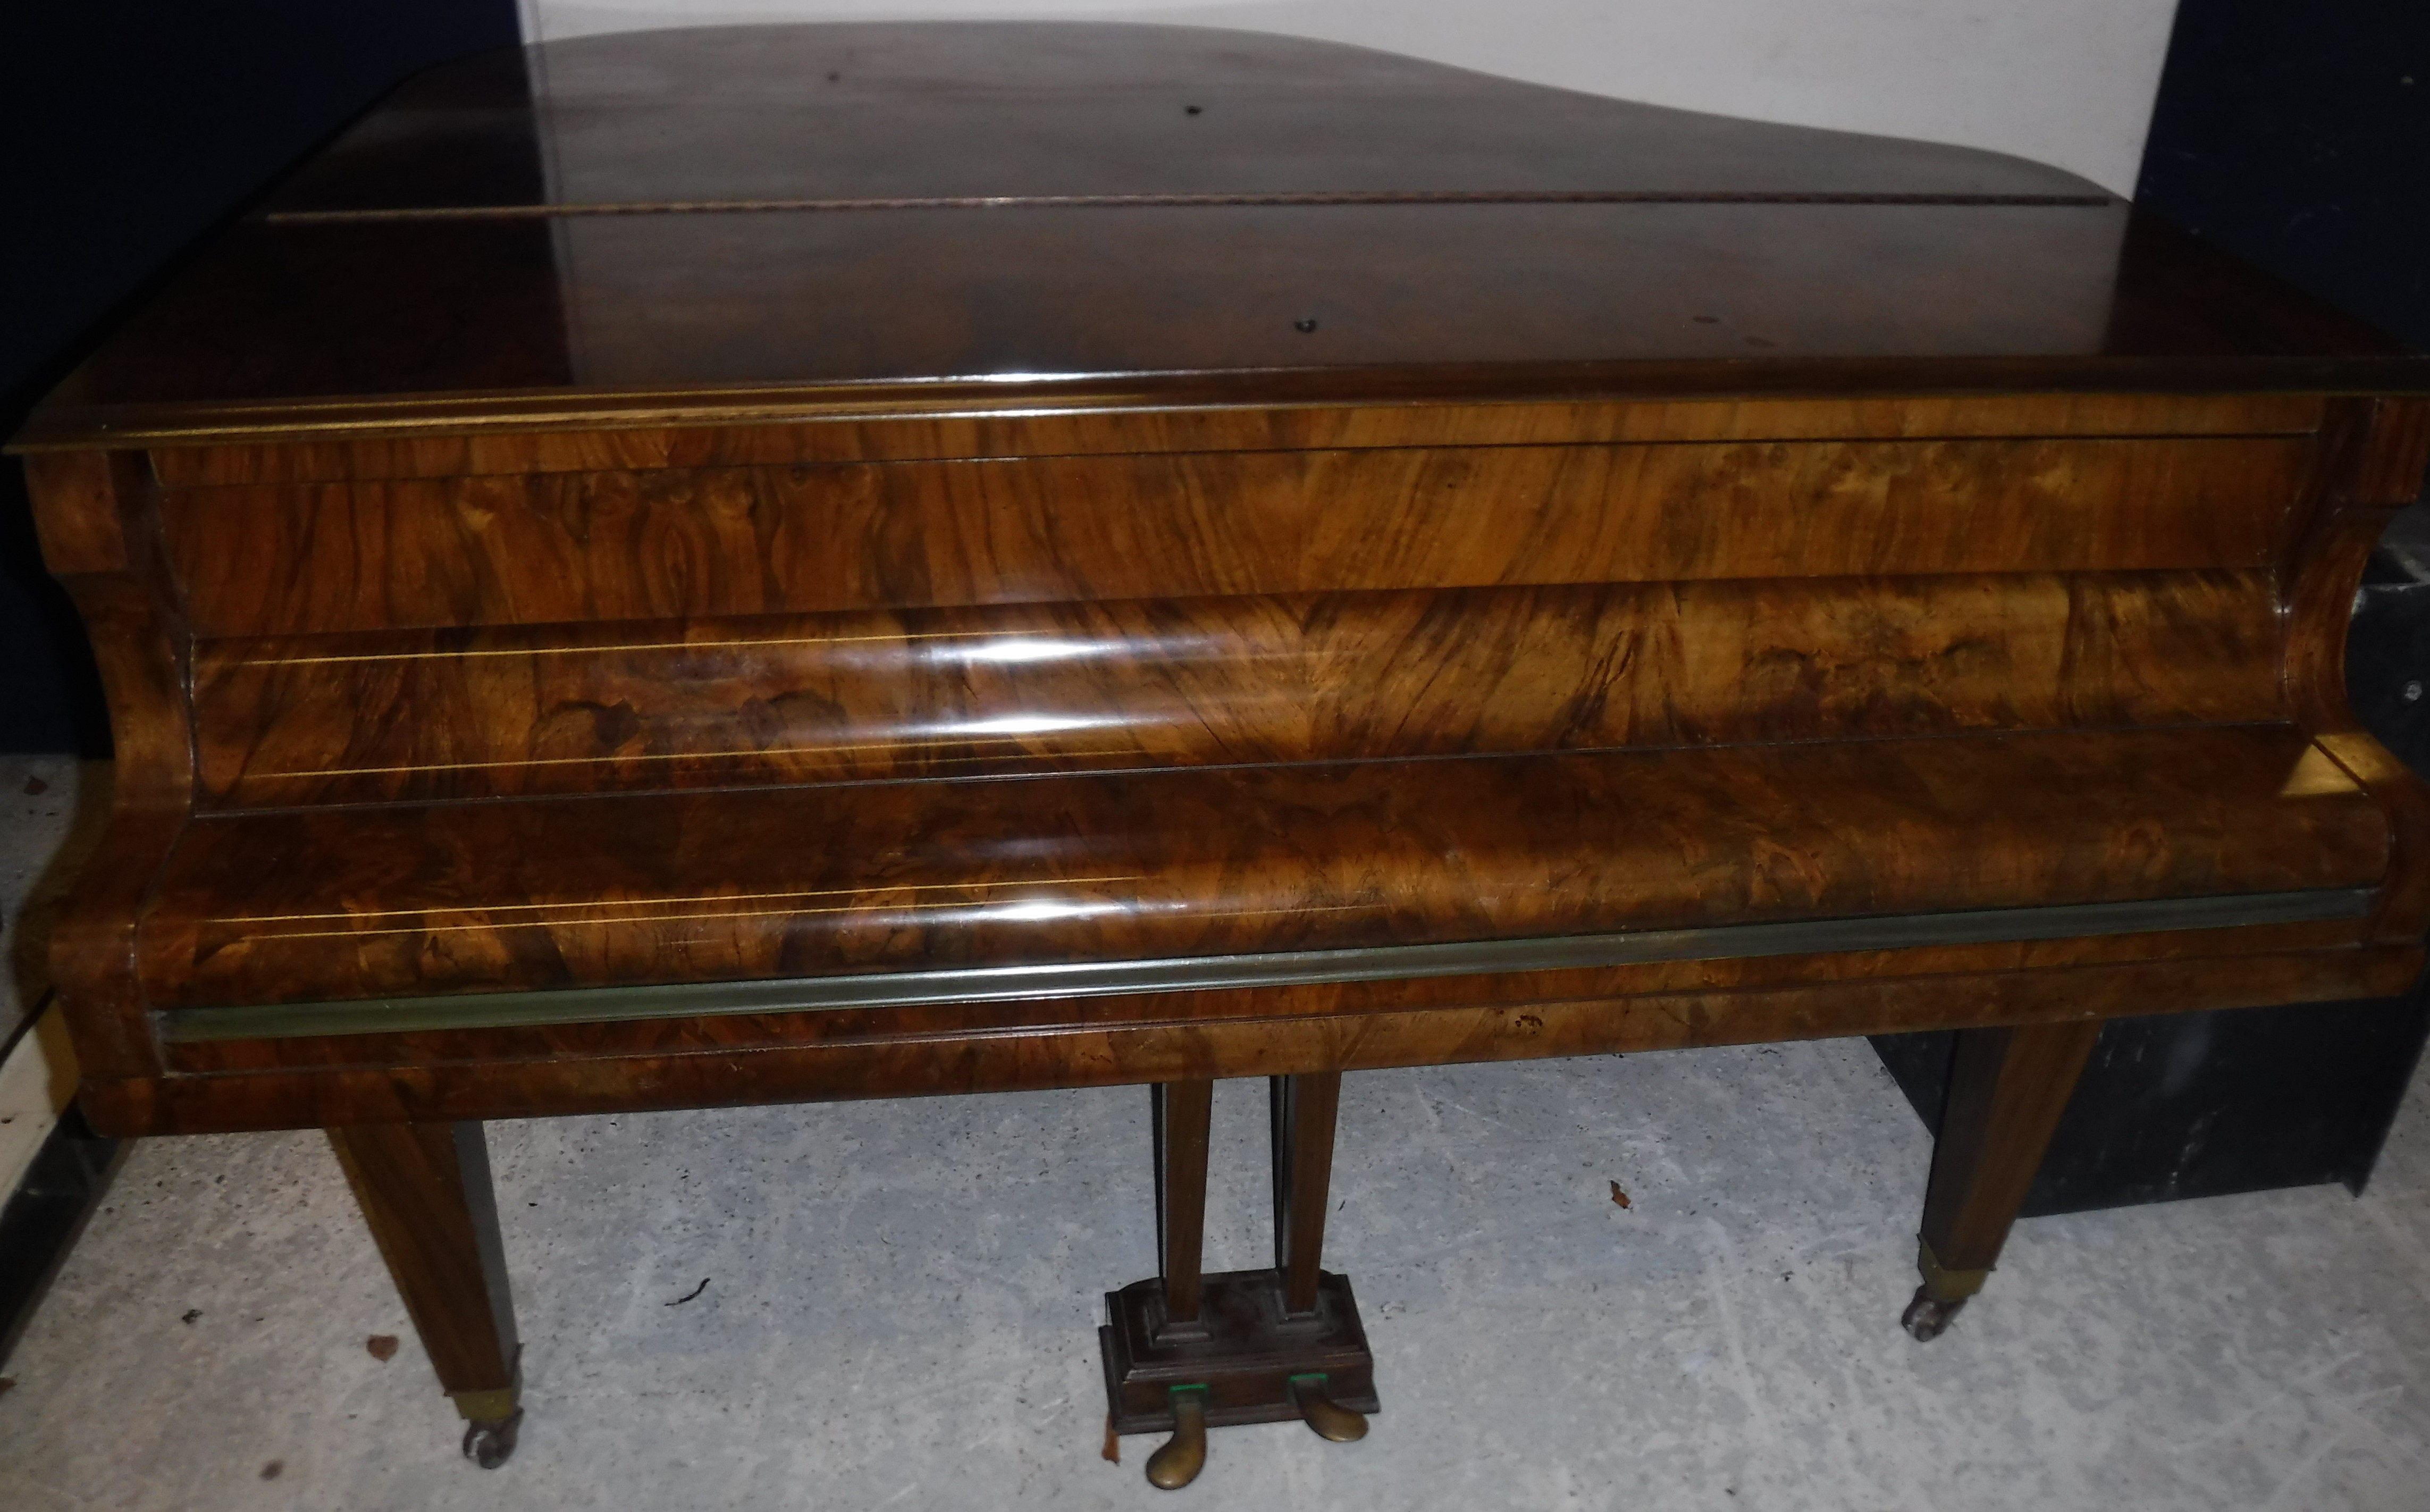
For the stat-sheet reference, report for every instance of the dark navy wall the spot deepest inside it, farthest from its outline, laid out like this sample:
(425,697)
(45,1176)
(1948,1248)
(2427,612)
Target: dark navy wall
(128,128)
(2296,134)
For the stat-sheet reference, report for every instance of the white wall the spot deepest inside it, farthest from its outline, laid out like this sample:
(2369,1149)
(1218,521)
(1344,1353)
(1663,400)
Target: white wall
(38,1078)
(2068,82)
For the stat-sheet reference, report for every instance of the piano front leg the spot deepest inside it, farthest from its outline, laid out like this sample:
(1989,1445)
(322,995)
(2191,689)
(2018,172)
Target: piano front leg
(2007,1090)
(425,1191)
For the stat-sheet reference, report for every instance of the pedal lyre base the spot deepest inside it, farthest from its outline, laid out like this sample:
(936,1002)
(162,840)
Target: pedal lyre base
(1242,1348)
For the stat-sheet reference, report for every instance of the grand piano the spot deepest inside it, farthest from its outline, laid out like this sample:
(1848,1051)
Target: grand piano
(767,564)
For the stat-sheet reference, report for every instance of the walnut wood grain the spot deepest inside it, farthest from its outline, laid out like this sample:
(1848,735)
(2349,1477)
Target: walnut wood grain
(636,705)
(492,1087)
(649,545)
(1211,862)
(2376,454)
(94,513)
(915,438)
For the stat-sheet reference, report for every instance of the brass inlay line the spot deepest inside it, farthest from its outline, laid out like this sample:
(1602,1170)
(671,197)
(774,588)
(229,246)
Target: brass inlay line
(1117,202)
(873,909)
(914,742)
(644,903)
(618,646)
(1004,984)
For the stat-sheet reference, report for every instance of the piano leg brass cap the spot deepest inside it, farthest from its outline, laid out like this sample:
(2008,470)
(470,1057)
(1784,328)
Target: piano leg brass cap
(1184,1454)
(1328,1418)
(489,1441)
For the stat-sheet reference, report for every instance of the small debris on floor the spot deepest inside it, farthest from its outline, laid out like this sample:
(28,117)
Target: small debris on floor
(383,1346)
(1619,1196)
(8,1381)
(270,1471)
(688,1295)
(1113,1450)
(36,784)
(189,1316)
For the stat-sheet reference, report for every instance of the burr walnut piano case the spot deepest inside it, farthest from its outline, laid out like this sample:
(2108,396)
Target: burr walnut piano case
(750,565)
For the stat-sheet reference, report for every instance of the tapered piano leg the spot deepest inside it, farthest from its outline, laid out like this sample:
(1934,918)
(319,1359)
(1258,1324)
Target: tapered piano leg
(1183,1114)
(1305,1109)
(2007,1090)
(424,1189)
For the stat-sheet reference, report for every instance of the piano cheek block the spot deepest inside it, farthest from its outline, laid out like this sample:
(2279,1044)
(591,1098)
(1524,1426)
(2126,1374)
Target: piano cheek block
(878,592)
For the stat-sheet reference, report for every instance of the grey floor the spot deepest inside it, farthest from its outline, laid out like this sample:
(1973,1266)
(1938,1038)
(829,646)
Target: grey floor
(901,1300)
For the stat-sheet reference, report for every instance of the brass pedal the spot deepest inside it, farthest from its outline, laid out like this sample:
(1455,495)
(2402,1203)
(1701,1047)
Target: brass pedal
(1182,1456)
(1327,1418)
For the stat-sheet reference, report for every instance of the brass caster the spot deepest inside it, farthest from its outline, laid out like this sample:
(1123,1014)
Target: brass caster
(1327,1418)
(488,1441)
(1927,1317)
(1184,1454)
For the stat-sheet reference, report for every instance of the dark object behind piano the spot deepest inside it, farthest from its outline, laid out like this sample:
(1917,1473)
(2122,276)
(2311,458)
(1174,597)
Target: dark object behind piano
(2200,1104)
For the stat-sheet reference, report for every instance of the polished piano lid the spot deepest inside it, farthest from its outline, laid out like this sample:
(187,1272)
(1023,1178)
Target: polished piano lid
(783,115)
(758,222)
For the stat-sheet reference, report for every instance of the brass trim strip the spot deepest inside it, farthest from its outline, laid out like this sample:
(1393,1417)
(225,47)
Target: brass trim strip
(1945,1285)
(462,415)
(1217,201)
(1007,983)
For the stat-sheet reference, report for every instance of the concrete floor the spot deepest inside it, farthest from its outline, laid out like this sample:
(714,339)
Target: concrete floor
(901,1300)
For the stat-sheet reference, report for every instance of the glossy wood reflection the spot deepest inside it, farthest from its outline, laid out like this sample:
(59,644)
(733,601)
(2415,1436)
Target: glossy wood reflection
(1010,110)
(916,438)
(1220,860)
(705,703)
